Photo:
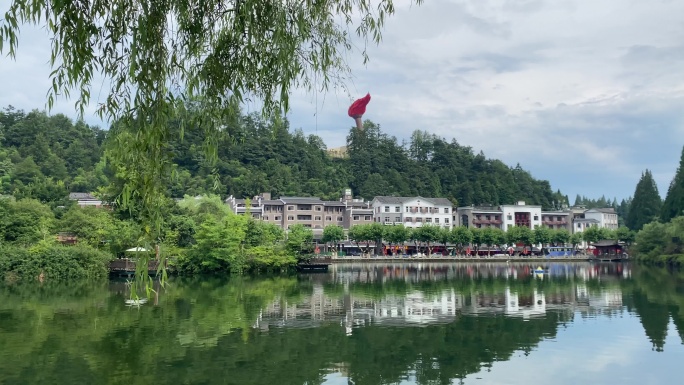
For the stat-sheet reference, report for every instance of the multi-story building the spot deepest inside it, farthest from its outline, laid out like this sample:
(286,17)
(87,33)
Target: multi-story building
(412,211)
(521,214)
(502,217)
(557,220)
(478,216)
(311,212)
(606,217)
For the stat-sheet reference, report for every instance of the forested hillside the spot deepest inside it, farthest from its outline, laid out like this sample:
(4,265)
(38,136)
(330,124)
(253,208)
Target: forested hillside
(45,157)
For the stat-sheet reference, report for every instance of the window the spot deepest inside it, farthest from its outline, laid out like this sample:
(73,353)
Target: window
(277,217)
(406,209)
(290,217)
(436,220)
(419,219)
(367,218)
(303,217)
(536,217)
(318,208)
(408,219)
(328,219)
(290,208)
(317,218)
(487,217)
(446,220)
(397,219)
(356,217)
(387,209)
(266,218)
(509,217)
(397,209)
(428,220)
(339,219)
(446,210)
(304,207)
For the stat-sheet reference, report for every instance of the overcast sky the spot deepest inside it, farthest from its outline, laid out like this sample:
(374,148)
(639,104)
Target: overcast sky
(585,94)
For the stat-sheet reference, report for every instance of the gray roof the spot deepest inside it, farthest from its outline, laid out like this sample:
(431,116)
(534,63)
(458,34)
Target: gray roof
(82,196)
(400,200)
(302,200)
(271,202)
(489,209)
(606,210)
(587,220)
(333,203)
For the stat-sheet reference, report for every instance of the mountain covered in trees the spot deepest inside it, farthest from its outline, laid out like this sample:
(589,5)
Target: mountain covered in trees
(46,157)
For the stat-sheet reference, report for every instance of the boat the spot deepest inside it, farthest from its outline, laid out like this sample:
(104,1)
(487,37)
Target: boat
(540,270)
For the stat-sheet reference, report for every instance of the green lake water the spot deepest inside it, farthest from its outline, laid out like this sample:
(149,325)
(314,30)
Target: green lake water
(486,323)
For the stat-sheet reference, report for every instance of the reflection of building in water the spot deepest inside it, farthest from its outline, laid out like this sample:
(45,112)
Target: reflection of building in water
(420,272)
(422,308)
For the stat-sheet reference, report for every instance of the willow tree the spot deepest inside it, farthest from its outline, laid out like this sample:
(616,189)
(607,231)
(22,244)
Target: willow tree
(159,56)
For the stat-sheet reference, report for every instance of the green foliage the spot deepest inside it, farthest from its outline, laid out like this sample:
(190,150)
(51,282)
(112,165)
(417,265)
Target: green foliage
(661,243)
(299,241)
(625,235)
(673,206)
(542,235)
(27,221)
(219,246)
(560,237)
(576,239)
(520,235)
(461,237)
(52,263)
(592,234)
(332,235)
(397,234)
(646,204)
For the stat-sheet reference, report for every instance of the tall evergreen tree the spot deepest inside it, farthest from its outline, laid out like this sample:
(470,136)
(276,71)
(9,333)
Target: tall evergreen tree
(674,201)
(646,204)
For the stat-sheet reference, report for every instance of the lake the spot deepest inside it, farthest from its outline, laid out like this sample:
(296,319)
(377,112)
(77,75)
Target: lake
(384,323)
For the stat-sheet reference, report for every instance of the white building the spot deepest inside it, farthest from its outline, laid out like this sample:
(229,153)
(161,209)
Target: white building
(412,211)
(521,214)
(606,217)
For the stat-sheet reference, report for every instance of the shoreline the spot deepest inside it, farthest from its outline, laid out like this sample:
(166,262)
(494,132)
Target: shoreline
(584,258)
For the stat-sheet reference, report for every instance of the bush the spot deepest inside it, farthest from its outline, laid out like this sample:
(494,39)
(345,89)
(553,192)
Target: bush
(53,263)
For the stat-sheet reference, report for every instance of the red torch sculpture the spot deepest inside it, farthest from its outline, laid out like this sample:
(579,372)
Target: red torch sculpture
(357,109)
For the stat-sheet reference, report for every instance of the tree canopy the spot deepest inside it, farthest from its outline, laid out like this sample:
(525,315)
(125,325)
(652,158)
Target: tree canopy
(646,204)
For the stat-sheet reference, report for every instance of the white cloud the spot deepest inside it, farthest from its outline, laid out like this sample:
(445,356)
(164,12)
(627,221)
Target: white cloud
(584,94)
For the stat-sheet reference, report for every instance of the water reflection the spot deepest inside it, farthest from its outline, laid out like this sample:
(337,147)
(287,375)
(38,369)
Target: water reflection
(356,308)
(359,324)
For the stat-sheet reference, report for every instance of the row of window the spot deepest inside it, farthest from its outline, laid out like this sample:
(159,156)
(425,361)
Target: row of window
(316,218)
(414,209)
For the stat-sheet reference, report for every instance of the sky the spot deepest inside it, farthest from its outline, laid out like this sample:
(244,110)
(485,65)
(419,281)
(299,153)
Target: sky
(584,94)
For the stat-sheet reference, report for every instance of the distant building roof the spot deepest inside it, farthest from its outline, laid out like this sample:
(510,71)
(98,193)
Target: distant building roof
(586,220)
(401,200)
(82,196)
(302,200)
(605,210)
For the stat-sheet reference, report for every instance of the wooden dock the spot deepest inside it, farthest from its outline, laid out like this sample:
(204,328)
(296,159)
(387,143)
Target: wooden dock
(314,265)
(125,267)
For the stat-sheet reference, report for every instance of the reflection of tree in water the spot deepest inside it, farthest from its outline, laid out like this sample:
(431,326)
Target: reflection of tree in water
(202,332)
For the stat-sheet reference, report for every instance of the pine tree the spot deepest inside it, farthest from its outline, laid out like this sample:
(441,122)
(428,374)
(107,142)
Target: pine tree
(646,204)
(674,201)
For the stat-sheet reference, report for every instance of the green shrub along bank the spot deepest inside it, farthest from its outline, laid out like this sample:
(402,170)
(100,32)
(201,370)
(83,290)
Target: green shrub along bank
(661,243)
(52,263)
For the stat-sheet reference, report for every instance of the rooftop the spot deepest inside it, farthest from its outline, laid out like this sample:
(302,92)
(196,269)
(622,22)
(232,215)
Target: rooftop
(401,200)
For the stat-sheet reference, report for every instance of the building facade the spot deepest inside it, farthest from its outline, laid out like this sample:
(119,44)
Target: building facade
(412,211)
(606,217)
(311,212)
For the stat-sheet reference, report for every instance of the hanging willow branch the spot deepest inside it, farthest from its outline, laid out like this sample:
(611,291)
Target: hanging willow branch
(158,56)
